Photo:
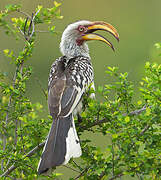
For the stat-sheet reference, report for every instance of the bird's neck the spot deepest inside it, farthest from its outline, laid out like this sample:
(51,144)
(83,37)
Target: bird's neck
(70,48)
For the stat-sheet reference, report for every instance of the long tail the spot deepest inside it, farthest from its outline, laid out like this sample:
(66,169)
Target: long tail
(62,144)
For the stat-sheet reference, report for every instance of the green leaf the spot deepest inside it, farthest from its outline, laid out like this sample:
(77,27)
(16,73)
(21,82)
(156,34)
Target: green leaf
(57,4)
(6,51)
(19,75)
(127,119)
(141,148)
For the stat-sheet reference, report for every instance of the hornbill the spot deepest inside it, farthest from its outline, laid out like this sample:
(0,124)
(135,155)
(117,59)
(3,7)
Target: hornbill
(70,77)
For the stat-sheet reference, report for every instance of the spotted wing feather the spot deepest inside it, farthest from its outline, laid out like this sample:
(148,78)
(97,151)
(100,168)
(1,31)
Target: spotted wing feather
(63,97)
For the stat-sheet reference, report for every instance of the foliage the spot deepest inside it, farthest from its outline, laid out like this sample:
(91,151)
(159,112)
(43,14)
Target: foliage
(21,126)
(135,134)
(133,127)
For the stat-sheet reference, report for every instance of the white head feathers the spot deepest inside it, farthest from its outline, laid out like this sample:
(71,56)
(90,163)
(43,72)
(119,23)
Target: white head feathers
(69,46)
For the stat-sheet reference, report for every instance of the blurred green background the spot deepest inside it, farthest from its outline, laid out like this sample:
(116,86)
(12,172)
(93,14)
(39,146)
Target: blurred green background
(138,23)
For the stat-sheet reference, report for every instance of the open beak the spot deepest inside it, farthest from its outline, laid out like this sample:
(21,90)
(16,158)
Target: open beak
(99,25)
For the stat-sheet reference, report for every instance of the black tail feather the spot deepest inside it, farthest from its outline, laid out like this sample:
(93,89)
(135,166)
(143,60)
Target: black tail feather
(55,147)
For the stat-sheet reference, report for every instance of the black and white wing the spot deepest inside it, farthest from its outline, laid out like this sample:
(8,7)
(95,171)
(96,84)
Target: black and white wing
(64,94)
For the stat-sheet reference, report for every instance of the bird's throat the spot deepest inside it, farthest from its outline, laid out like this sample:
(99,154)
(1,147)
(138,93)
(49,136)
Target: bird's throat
(72,49)
(79,42)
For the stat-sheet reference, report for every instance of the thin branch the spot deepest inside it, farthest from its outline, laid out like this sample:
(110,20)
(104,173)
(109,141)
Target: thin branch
(141,133)
(6,118)
(29,154)
(105,120)
(144,130)
(33,24)
(8,108)
(29,35)
(29,166)
(14,79)
(71,168)
(121,174)
(41,31)
(137,112)
(11,177)
(90,125)
(9,170)
(117,176)
(24,13)
(21,31)
(113,160)
(16,129)
(21,137)
(25,26)
(77,165)
(82,173)
(113,177)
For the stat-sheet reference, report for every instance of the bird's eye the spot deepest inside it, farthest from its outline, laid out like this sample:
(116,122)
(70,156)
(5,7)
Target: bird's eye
(81,28)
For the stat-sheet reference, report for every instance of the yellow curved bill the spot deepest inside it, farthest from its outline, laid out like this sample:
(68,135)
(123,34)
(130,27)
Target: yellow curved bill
(94,36)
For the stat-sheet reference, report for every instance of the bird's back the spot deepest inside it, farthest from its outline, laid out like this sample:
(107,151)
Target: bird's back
(76,75)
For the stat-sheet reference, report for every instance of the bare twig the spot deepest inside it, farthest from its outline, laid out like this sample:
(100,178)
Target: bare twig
(77,165)
(90,125)
(33,24)
(82,173)
(137,112)
(21,31)
(29,34)
(30,153)
(41,31)
(71,168)
(24,13)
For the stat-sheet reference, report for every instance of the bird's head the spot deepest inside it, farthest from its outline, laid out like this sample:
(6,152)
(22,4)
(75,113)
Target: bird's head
(76,34)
